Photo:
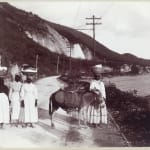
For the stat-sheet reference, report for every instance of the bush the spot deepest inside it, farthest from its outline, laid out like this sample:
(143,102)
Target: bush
(134,69)
(131,113)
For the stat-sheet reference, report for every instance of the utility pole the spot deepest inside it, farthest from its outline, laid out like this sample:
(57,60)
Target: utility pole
(57,64)
(36,65)
(62,62)
(93,18)
(0,59)
(70,46)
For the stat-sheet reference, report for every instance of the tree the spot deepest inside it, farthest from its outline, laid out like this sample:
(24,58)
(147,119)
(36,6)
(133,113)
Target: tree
(134,69)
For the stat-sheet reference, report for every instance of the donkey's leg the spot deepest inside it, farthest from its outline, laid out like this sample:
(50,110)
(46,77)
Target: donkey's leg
(51,111)
(85,116)
(79,117)
(51,118)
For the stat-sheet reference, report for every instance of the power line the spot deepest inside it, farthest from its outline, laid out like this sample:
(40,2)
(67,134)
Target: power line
(77,13)
(107,10)
(83,29)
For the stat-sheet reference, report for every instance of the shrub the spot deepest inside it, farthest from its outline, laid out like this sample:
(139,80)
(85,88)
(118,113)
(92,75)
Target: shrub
(131,113)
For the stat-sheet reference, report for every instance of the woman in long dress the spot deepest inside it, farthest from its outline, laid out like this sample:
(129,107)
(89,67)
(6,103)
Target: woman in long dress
(97,114)
(4,104)
(14,97)
(29,99)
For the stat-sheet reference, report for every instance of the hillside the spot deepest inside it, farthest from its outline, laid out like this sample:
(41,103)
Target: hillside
(101,51)
(23,35)
(17,46)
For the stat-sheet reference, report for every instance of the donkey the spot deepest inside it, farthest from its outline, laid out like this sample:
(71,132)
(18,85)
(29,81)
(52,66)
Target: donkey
(75,101)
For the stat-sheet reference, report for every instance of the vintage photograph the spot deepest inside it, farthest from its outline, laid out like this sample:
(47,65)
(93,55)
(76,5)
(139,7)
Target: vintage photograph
(74,74)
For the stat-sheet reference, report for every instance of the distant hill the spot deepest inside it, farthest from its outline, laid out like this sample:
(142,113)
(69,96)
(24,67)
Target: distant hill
(23,35)
(130,56)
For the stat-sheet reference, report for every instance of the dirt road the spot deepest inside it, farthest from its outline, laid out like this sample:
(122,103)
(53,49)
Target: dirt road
(66,127)
(66,131)
(69,134)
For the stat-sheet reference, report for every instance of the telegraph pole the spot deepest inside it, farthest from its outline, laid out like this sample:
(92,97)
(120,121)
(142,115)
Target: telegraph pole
(70,46)
(36,65)
(0,59)
(93,18)
(57,64)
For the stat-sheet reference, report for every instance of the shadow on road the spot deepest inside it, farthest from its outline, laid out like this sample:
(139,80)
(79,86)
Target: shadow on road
(73,135)
(67,129)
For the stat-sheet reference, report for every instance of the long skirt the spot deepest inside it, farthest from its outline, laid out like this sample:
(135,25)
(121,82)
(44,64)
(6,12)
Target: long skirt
(30,111)
(21,116)
(94,115)
(15,106)
(4,108)
(28,114)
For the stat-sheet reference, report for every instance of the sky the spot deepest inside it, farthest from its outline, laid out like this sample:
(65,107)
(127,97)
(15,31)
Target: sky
(125,25)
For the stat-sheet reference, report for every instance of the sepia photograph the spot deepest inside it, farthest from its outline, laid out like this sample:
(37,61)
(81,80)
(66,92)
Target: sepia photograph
(74,74)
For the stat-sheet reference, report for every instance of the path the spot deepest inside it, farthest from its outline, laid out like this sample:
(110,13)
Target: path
(66,128)
(66,131)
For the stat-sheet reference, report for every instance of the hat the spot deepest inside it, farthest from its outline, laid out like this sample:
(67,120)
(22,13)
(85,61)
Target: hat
(98,69)
(98,66)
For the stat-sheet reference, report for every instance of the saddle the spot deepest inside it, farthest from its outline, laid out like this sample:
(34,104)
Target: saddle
(70,89)
(72,99)
(68,99)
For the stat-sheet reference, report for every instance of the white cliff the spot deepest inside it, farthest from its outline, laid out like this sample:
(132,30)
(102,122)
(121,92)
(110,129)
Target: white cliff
(58,43)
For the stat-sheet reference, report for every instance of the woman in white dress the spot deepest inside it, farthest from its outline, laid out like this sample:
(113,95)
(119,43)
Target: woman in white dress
(29,99)
(14,97)
(4,104)
(98,114)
